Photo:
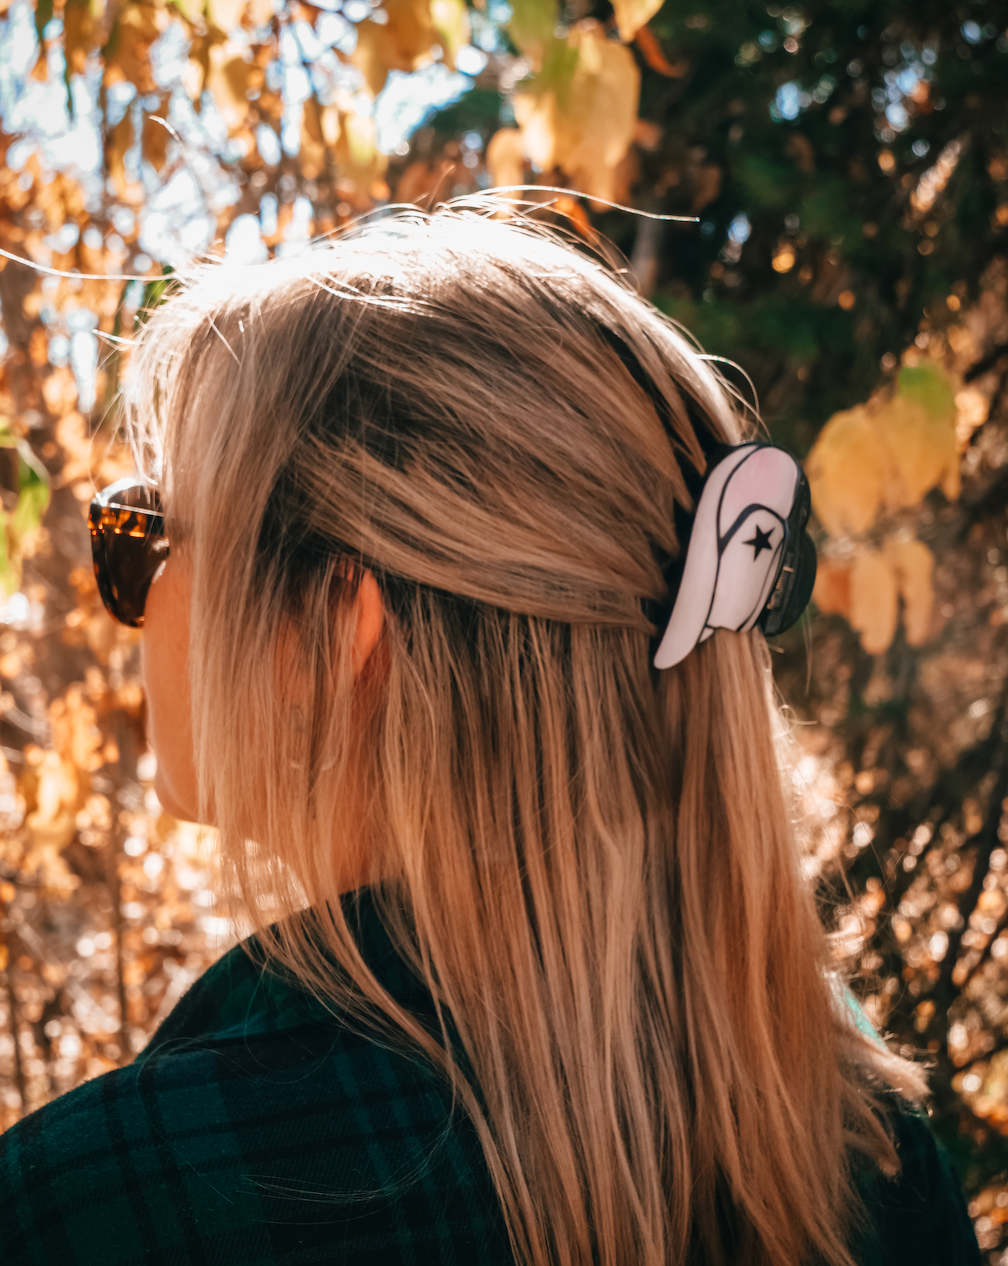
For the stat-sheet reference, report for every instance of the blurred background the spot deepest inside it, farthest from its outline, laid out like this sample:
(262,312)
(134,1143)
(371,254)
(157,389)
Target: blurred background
(847,162)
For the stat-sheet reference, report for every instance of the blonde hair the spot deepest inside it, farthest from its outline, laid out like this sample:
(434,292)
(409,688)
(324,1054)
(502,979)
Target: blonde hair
(590,864)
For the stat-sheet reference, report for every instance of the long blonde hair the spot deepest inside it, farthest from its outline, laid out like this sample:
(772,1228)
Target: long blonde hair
(589,863)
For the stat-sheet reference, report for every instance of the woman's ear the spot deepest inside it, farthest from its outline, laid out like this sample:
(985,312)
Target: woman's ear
(370,620)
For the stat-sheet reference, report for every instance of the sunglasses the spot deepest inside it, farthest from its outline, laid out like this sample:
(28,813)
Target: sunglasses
(128,546)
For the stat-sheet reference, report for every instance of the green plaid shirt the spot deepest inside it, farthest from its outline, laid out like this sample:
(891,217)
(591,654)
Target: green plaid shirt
(256,1129)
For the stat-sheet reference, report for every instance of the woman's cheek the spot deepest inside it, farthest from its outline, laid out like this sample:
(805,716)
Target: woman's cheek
(165,668)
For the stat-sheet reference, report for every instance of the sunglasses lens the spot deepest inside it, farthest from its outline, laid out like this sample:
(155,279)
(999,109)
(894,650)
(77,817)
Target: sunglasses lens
(128,547)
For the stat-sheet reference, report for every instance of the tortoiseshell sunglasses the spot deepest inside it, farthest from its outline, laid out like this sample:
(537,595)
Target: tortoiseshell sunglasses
(128,546)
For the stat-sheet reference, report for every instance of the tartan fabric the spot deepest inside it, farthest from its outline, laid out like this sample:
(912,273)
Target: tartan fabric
(256,1129)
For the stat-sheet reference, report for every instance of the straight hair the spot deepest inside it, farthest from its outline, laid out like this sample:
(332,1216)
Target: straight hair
(590,864)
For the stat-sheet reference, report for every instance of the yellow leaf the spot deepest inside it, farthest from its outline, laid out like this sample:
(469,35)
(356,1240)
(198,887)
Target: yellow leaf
(631,15)
(584,127)
(832,591)
(873,601)
(848,471)
(531,26)
(403,43)
(135,30)
(78,34)
(228,80)
(505,157)
(451,21)
(913,564)
(228,15)
(59,391)
(115,153)
(313,149)
(918,425)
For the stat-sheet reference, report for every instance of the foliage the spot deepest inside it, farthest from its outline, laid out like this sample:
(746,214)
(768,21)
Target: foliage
(847,162)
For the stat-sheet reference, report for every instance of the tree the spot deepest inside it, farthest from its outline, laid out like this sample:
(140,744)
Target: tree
(847,162)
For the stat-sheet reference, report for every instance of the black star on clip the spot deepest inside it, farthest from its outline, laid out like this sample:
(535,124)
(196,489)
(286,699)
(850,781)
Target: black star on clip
(759,542)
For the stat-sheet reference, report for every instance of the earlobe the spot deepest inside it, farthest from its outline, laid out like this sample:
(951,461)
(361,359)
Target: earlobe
(370,620)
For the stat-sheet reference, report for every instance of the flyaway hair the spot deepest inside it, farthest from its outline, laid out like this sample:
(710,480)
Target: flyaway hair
(590,863)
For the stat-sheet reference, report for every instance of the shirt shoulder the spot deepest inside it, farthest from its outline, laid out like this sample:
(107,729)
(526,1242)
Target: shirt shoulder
(918,1218)
(256,1128)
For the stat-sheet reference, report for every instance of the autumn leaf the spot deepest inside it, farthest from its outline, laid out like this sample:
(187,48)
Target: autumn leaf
(78,34)
(631,15)
(832,591)
(128,52)
(874,607)
(918,425)
(913,566)
(580,112)
(847,472)
(228,15)
(531,27)
(505,157)
(229,78)
(404,42)
(451,21)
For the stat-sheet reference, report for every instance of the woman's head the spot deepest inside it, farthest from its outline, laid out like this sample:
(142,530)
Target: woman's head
(590,862)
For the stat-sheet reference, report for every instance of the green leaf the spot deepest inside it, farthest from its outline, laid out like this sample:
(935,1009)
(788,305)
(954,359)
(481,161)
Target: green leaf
(532,24)
(32,502)
(927,386)
(559,63)
(155,292)
(10,572)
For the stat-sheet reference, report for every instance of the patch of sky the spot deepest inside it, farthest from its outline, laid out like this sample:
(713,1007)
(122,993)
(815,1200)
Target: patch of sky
(356,10)
(485,33)
(268,145)
(213,123)
(470,60)
(4,344)
(38,108)
(499,11)
(64,239)
(268,214)
(243,242)
(59,350)
(334,31)
(329,6)
(408,100)
(176,223)
(83,354)
(972,32)
(170,56)
(297,85)
(290,129)
(122,219)
(330,76)
(307,41)
(290,54)
(19,153)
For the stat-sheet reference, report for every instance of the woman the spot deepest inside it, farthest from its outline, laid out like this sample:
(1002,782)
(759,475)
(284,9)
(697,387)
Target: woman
(536,979)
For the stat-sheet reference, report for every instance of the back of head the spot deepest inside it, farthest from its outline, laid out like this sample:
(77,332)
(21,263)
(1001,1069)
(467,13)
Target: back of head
(590,862)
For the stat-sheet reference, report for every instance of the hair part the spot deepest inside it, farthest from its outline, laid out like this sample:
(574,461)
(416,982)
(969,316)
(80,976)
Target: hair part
(590,864)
